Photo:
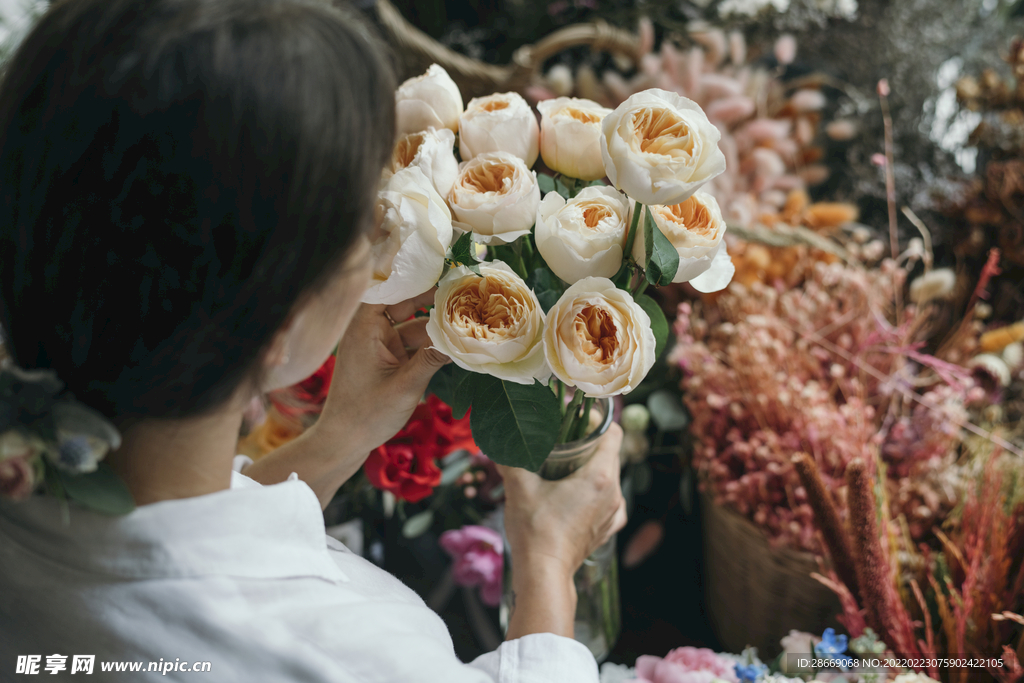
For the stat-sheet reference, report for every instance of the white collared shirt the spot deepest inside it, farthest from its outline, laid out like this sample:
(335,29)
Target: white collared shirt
(244,579)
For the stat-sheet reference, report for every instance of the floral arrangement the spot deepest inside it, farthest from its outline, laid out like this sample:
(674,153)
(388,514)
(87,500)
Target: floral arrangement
(826,369)
(48,439)
(541,277)
(961,599)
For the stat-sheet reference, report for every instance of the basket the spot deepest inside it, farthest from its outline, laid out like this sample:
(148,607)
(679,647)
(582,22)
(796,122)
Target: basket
(415,51)
(756,593)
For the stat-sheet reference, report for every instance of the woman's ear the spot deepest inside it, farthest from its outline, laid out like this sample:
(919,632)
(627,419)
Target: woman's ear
(276,359)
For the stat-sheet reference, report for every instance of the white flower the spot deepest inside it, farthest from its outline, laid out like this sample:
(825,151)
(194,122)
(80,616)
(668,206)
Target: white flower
(585,236)
(408,246)
(570,137)
(490,323)
(914,678)
(430,100)
(598,339)
(17,444)
(659,147)
(431,152)
(502,122)
(935,284)
(495,196)
(695,227)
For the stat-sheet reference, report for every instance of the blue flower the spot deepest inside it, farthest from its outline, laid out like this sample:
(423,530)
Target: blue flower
(833,647)
(749,673)
(750,669)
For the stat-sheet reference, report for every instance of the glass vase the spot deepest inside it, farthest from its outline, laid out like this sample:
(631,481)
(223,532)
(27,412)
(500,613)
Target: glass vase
(598,611)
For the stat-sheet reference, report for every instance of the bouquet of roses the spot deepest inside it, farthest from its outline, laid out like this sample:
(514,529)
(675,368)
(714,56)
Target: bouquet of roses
(540,278)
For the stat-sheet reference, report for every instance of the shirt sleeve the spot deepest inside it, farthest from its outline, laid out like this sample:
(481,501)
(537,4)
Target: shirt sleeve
(539,658)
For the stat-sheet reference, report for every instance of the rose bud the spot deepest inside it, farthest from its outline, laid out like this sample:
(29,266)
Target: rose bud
(659,147)
(570,137)
(408,246)
(598,339)
(430,100)
(502,122)
(490,323)
(585,236)
(495,197)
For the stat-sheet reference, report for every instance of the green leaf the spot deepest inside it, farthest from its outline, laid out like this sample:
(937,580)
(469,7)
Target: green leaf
(462,250)
(659,323)
(418,524)
(453,385)
(596,183)
(565,188)
(667,411)
(664,259)
(454,470)
(546,183)
(514,424)
(546,286)
(101,491)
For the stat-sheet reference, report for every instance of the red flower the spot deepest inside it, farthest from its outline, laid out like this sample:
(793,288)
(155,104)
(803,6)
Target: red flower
(405,465)
(307,396)
(450,434)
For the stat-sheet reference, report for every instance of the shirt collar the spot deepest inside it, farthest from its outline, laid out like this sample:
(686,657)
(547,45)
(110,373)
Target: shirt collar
(253,531)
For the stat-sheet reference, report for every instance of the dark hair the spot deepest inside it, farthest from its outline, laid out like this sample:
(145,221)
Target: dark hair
(174,176)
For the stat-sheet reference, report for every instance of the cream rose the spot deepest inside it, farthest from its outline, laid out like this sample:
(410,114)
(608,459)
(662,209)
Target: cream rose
(495,196)
(598,339)
(431,151)
(570,137)
(430,100)
(408,246)
(695,227)
(490,323)
(659,147)
(585,236)
(502,122)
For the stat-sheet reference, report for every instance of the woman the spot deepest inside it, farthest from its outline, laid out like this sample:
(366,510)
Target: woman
(186,188)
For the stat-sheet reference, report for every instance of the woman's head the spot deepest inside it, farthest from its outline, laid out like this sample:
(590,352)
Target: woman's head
(175,175)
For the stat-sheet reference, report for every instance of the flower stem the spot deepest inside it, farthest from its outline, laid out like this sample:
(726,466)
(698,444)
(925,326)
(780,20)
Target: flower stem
(561,395)
(570,416)
(584,423)
(637,210)
(640,287)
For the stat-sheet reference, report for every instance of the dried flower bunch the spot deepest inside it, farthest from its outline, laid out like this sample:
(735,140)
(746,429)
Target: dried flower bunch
(824,368)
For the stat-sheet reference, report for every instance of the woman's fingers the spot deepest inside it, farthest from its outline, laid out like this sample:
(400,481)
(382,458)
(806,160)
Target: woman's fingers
(403,311)
(414,333)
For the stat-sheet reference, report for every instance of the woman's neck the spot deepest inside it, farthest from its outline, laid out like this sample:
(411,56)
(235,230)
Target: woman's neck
(169,459)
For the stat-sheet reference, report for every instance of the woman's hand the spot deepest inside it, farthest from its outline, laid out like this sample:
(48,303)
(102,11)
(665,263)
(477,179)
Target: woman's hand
(552,526)
(380,376)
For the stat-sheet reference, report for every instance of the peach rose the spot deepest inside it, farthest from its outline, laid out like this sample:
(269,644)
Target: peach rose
(570,137)
(502,122)
(695,227)
(490,323)
(495,197)
(659,147)
(598,339)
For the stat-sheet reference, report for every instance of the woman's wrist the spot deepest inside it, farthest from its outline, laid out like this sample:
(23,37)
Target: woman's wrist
(543,598)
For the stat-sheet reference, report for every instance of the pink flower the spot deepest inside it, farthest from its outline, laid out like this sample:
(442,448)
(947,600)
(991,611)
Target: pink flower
(17,478)
(684,665)
(479,559)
